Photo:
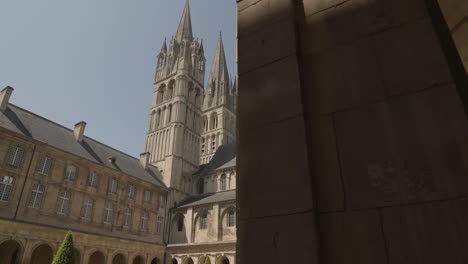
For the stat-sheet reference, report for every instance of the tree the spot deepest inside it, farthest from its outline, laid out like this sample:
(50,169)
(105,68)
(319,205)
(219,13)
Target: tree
(66,252)
(207,260)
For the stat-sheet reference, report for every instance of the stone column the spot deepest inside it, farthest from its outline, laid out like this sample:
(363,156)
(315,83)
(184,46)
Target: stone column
(366,117)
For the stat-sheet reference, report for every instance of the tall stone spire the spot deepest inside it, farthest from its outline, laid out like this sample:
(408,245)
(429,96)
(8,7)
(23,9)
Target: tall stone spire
(185,26)
(219,70)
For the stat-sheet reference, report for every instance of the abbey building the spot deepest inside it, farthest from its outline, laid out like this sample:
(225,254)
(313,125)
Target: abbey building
(176,204)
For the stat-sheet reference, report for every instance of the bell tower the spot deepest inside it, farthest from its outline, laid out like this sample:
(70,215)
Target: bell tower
(173,137)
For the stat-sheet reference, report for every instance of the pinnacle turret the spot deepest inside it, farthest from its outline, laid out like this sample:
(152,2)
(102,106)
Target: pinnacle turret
(184,32)
(219,70)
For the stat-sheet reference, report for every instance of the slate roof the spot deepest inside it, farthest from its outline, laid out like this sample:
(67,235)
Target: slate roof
(28,124)
(225,157)
(208,198)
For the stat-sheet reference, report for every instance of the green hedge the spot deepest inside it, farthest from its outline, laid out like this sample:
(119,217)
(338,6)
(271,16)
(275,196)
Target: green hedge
(66,252)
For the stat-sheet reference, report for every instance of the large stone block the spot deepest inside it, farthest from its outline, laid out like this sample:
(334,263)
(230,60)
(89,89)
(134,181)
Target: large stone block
(405,150)
(279,239)
(273,170)
(266,45)
(270,94)
(254,14)
(434,233)
(411,58)
(326,167)
(343,77)
(352,237)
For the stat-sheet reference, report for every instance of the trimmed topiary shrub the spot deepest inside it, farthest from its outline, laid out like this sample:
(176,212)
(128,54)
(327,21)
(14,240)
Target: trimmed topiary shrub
(66,252)
(207,260)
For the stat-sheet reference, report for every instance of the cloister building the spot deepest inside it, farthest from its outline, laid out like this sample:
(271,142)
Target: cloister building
(175,204)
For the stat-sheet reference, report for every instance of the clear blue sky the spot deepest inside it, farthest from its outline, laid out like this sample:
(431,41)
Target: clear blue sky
(94,60)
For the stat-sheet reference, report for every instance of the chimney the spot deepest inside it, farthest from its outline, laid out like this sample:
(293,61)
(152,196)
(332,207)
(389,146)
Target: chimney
(79,131)
(144,159)
(5,97)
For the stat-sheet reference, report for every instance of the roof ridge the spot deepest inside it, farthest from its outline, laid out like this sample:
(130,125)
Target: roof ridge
(71,130)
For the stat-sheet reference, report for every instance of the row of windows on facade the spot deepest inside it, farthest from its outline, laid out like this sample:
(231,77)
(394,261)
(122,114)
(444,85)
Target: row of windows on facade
(203,222)
(164,94)
(201,184)
(63,205)
(15,156)
(212,123)
(204,140)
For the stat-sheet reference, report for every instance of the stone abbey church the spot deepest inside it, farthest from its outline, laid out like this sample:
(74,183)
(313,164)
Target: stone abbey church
(176,204)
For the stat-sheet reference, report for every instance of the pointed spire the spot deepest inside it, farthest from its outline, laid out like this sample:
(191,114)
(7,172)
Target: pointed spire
(219,70)
(185,26)
(164,46)
(201,50)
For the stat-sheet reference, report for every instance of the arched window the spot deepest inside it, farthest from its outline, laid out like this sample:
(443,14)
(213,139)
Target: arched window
(200,185)
(180,223)
(161,92)
(170,89)
(205,123)
(231,218)
(169,117)
(203,221)
(214,121)
(223,182)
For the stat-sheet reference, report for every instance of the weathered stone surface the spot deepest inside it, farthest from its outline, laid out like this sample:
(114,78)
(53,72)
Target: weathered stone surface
(407,149)
(352,237)
(279,239)
(343,77)
(433,233)
(275,82)
(326,167)
(276,167)
(417,46)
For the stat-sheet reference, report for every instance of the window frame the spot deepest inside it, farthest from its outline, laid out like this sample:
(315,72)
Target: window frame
(44,166)
(231,214)
(127,218)
(15,156)
(93,179)
(108,213)
(87,209)
(37,195)
(203,221)
(6,188)
(63,203)
(71,177)
(144,220)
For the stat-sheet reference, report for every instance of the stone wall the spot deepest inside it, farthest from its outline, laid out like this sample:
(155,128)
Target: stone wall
(19,208)
(29,237)
(358,154)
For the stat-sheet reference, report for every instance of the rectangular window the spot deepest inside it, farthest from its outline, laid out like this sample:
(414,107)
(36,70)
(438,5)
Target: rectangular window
(63,203)
(70,173)
(113,185)
(231,219)
(108,215)
(160,224)
(44,166)
(127,221)
(203,221)
(6,186)
(131,192)
(36,196)
(144,221)
(15,156)
(87,210)
(93,179)
(162,202)
(147,196)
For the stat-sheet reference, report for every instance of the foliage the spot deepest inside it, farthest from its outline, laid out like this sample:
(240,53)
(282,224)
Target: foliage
(207,260)
(66,252)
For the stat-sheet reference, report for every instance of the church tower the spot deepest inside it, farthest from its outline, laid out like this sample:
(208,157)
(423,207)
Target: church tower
(218,108)
(173,138)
